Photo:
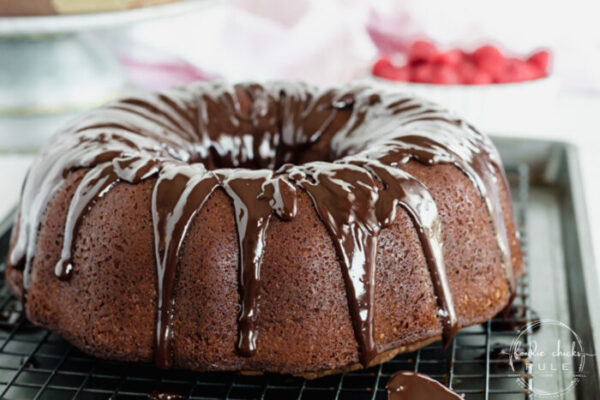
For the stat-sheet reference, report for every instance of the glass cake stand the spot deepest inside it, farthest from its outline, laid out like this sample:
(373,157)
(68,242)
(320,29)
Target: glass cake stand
(52,67)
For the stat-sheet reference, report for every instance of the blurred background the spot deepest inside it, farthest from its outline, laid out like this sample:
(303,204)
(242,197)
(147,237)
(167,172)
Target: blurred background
(513,68)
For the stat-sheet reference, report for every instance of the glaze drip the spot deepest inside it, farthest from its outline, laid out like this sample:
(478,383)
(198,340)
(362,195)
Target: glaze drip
(156,395)
(406,191)
(345,198)
(179,193)
(408,385)
(345,148)
(253,213)
(94,185)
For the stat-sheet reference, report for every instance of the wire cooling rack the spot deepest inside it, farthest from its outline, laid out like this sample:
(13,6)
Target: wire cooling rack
(38,364)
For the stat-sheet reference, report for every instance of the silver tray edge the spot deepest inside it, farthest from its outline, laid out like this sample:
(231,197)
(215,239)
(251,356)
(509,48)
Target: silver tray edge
(556,164)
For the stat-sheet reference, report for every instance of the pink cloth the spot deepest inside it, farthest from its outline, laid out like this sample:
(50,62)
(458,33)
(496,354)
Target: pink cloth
(162,74)
(152,68)
(323,42)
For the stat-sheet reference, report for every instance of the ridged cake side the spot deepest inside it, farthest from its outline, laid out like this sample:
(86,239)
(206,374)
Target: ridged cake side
(108,307)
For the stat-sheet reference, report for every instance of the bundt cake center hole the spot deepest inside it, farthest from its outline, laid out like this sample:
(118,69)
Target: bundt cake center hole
(252,152)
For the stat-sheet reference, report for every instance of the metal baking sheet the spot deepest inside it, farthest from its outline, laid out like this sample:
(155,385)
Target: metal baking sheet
(564,279)
(561,284)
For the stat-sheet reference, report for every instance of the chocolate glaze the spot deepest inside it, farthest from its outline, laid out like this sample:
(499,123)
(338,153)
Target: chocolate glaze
(259,143)
(95,183)
(515,318)
(156,395)
(409,385)
(179,193)
(252,215)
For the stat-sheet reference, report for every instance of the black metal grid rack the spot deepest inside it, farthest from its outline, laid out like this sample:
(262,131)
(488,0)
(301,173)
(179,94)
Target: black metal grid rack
(37,364)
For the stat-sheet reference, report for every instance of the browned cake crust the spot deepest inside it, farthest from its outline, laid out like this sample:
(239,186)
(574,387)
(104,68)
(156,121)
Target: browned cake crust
(108,307)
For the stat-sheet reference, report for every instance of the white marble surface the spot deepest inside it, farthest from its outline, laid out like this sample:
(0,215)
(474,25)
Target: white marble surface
(576,119)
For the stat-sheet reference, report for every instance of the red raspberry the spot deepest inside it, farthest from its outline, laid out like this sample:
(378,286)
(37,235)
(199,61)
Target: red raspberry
(466,72)
(509,73)
(528,72)
(445,75)
(481,78)
(452,57)
(486,52)
(382,66)
(401,74)
(489,59)
(422,73)
(540,59)
(517,70)
(421,51)
(385,69)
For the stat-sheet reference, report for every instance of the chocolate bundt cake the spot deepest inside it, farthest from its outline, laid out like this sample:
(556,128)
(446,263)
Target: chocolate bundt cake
(264,228)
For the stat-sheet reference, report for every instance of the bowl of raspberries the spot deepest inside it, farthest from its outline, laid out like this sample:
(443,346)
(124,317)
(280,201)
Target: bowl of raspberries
(494,89)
